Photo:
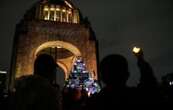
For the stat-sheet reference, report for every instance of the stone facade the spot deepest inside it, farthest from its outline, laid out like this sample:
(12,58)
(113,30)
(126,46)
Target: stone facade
(32,33)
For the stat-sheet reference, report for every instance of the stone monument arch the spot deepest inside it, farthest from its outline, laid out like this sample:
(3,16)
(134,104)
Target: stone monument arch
(55,27)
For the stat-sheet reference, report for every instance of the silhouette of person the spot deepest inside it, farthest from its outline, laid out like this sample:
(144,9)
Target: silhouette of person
(147,75)
(45,66)
(38,91)
(115,73)
(114,70)
(35,93)
(148,88)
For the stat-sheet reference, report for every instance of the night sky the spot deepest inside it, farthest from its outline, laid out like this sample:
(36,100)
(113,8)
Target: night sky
(119,25)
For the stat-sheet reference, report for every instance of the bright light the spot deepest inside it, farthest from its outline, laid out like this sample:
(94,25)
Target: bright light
(46,9)
(63,10)
(59,47)
(46,18)
(52,9)
(136,50)
(57,9)
(90,78)
(68,4)
(171,83)
(89,94)
(78,60)
(69,12)
(3,72)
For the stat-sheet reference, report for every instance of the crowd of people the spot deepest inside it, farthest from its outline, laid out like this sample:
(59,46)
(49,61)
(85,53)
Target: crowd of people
(40,92)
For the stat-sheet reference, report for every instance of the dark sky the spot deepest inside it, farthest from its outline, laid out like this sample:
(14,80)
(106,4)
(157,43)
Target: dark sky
(119,25)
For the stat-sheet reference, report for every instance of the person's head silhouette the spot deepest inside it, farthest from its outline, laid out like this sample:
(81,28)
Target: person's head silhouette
(114,70)
(45,66)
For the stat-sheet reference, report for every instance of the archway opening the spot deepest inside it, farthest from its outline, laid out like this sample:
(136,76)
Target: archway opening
(63,53)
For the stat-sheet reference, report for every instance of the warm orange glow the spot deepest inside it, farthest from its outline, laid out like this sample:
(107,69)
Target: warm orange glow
(63,66)
(57,9)
(69,12)
(52,9)
(63,10)
(61,44)
(66,65)
(46,9)
(136,50)
(59,47)
(18,71)
(89,94)
(46,18)
(76,16)
(60,14)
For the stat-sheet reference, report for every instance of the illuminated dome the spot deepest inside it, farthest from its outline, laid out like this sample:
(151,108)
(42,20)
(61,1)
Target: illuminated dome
(58,10)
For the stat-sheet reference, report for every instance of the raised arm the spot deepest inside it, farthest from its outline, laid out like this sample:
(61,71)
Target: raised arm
(147,75)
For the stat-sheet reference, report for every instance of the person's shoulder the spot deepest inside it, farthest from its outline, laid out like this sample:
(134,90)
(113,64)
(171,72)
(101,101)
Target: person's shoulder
(32,81)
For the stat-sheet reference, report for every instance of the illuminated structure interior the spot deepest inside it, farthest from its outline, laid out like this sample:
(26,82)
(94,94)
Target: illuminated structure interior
(64,53)
(63,12)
